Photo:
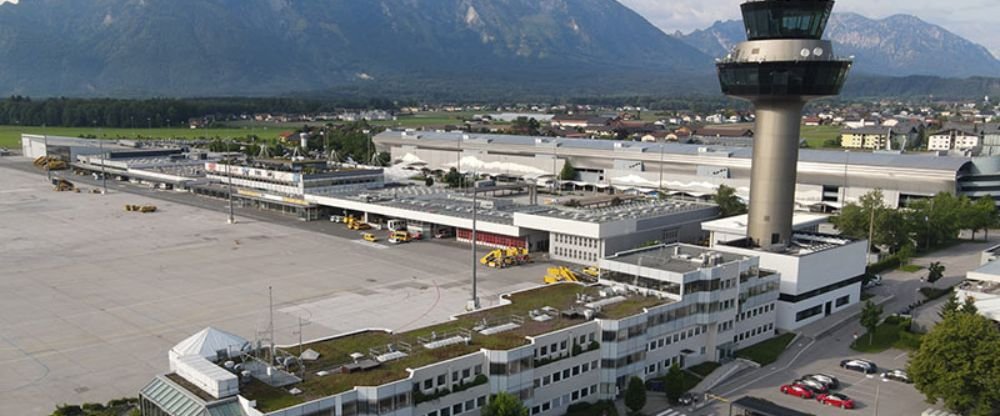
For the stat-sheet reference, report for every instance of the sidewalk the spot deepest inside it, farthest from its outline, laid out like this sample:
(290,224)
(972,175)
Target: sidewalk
(825,326)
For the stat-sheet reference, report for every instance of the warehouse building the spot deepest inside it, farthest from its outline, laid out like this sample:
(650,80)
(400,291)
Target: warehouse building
(826,179)
(551,347)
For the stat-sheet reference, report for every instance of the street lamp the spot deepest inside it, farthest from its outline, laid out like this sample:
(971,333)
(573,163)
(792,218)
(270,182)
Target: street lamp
(229,162)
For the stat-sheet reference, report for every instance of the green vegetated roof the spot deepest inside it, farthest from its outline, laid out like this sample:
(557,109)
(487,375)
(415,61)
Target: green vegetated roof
(335,352)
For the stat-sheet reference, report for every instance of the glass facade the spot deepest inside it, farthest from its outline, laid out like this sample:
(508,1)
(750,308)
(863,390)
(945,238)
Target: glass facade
(804,19)
(809,78)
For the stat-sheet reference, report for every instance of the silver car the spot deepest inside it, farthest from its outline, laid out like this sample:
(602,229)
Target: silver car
(898,375)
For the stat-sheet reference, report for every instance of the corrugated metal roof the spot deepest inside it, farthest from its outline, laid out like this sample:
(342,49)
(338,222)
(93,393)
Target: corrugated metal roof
(172,399)
(908,161)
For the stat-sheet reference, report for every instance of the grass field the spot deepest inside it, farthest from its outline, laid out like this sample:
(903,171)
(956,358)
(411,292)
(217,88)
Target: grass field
(767,352)
(816,135)
(10,136)
(893,333)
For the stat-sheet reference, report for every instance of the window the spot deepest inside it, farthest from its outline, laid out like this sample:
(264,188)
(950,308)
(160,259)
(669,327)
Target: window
(466,373)
(545,350)
(433,413)
(556,377)
(843,300)
(442,379)
(481,401)
(576,370)
(808,313)
(454,377)
(446,411)
(497,369)
(428,384)
(478,369)
(546,380)
(456,409)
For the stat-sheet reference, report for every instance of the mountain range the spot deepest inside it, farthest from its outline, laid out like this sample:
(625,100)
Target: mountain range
(899,45)
(432,49)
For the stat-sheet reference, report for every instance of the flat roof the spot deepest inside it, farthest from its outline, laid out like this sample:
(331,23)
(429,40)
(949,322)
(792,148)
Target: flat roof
(737,224)
(618,147)
(765,407)
(803,243)
(336,352)
(677,258)
(628,210)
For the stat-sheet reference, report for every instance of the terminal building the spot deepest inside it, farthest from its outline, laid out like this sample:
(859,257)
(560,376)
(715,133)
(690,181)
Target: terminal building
(826,179)
(551,347)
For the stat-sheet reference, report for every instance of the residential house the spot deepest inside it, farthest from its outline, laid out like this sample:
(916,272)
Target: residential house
(991,140)
(961,137)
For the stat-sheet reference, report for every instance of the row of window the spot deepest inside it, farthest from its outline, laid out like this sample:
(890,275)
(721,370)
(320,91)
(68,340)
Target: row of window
(624,334)
(456,376)
(514,367)
(676,337)
(688,310)
(564,400)
(576,241)
(566,374)
(559,348)
(726,326)
(808,313)
(843,300)
(753,332)
(666,364)
(624,361)
(709,285)
(459,408)
(754,312)
(576,254)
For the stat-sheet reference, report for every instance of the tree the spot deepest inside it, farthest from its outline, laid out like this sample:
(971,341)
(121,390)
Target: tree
(871,314)
(959,362)
(982,215)
(950,306)
(568,173)
(635,394)
(504,404)
(729,204)
(935,271)
(673,383)
(969,306)
(429,181)
(453,178)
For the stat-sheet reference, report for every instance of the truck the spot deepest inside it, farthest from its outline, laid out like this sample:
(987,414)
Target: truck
(397,237)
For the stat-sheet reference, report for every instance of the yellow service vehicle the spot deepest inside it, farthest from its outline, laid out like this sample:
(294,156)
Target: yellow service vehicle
(369,237)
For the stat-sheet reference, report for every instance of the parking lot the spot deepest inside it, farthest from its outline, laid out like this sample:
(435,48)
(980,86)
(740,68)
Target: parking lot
(93,297)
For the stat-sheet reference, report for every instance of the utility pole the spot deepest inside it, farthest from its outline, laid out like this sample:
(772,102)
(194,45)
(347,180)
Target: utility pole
(475,242)
(45,139)
(229,174)
(270,310)
(871,232)
(659,185)
(104,173)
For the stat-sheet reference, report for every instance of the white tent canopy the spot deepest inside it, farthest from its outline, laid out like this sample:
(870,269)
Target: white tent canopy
(207,342)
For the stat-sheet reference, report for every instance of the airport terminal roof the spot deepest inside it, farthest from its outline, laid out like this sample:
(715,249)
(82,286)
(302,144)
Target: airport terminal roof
(545,144)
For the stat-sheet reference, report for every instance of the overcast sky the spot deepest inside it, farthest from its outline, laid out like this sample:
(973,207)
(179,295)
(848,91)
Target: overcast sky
(973,19)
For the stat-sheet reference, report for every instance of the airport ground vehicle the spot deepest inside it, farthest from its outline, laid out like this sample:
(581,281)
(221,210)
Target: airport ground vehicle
(369,237)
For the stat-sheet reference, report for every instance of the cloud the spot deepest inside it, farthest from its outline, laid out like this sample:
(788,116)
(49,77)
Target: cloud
(972,19)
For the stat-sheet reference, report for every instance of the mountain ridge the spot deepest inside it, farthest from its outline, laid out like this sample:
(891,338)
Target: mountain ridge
(897,45)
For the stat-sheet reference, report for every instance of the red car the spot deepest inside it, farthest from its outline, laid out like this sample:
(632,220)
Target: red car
(836,399)
(797,390)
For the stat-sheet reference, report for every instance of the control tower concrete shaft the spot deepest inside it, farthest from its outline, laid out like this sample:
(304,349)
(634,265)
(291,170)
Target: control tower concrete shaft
(783,65)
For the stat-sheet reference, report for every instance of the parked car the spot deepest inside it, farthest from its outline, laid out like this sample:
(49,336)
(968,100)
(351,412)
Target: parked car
(831,382)
(836,400)
(687,399)
(812,385)
(797,390)
(899,375)
(863,366)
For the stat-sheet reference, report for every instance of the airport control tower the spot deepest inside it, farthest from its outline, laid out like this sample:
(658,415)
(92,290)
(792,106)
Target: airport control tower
(783,64)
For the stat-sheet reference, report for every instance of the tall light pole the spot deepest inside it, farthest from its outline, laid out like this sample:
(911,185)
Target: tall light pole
(229,174)
(45,140)
(475,243)
(104,173)
(659,185)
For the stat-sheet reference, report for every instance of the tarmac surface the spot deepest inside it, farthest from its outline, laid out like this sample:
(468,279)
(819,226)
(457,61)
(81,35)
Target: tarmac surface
(92,297)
